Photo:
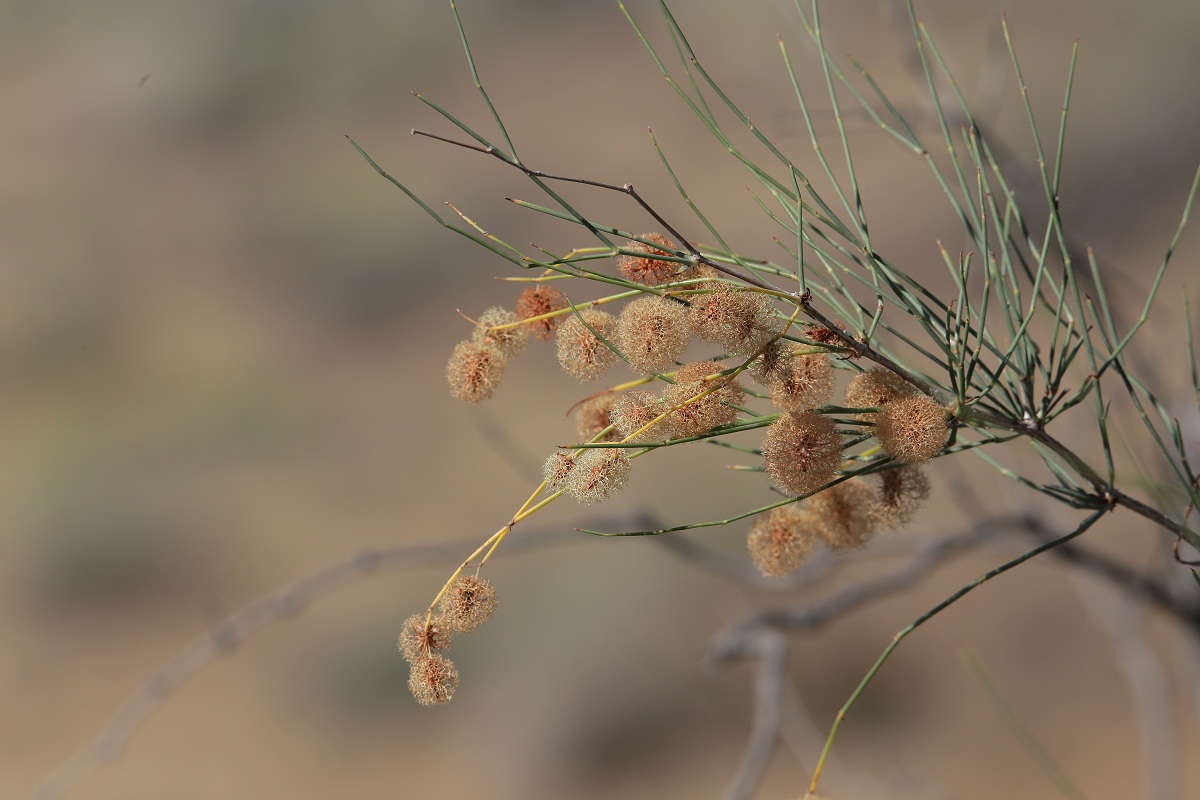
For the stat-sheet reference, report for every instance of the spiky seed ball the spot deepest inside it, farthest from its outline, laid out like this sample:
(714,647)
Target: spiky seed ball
(739,321)
(557,469)
(707,371)
(594,415)
(701,416)
(652,331)
(802,452)
(420,636)
(474,371)
(768,367)
(843,514)
(633,411)
(780,541)
(599,474)
(433,679)
(580,352)
(538,300)
(911,429)
(468,603)
(874,388)
(901,493)
(650,271)
(804,381)
(508,341)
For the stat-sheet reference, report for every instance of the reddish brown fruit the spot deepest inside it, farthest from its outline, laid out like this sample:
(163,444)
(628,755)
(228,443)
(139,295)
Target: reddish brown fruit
(538,300)
(594,415)
(650,271)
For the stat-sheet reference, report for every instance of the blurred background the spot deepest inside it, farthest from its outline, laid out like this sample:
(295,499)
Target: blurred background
(222,339)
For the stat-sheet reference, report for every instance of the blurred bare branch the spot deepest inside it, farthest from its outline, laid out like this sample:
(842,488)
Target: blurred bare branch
(1122,619)
(771,650)
(284,603)
(733,643)
(736,641)
(1142,668)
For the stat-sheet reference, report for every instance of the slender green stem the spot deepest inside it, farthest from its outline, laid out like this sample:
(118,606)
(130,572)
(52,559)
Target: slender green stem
(1029,740)
(942,606)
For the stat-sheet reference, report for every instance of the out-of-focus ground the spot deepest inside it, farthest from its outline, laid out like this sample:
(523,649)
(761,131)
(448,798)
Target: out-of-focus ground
(221,350)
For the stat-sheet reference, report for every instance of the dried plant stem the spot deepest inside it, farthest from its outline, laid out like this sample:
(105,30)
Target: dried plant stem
(493,541)
(628,189)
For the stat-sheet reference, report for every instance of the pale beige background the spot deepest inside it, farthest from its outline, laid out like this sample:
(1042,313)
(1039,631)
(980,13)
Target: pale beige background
(221,346)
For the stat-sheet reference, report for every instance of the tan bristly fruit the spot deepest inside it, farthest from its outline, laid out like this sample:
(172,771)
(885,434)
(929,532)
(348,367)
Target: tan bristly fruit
(474,371)
(651,332)
(740,321)
(433,679)
(780,541)
(873,388)
(581,353)
(844,514)
(594,415)
(599,473)
(912,429)
(802,381)
(717,394)
(802,452)
(509,340)
(421,635)
(557,469)
(468,603)
(901,493)
(633,411)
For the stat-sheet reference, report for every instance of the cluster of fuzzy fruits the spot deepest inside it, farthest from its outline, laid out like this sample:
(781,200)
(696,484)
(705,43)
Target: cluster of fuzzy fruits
(651,331)
(803,449)
(803,452)
(467,603)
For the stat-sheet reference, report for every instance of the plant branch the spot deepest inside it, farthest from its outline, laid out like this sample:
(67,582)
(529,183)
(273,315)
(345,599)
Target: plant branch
(627,189)
(226,635)
(949,601)
(771,649)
